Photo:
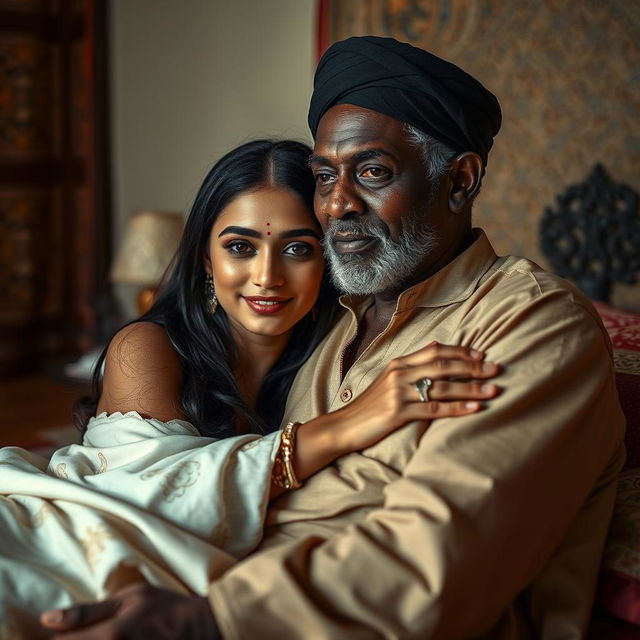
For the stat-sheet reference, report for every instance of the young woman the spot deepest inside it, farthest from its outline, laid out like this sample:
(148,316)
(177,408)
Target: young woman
(181,448)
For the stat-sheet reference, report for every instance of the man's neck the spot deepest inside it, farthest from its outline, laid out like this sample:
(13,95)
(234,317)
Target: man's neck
(377,317)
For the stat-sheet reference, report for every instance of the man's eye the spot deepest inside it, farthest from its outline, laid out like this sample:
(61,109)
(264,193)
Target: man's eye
(298,249)
(323,178)
(239,248)
(378,173)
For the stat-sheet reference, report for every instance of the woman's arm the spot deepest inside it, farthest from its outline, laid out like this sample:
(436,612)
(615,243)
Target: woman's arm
(142,373)
(393,401)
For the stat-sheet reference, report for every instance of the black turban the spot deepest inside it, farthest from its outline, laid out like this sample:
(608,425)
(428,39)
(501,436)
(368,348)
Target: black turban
(410,85)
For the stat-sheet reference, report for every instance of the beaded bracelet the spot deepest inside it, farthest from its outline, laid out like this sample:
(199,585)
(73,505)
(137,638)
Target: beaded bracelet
(283,474)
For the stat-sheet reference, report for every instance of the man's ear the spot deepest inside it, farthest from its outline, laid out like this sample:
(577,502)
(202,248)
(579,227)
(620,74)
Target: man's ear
(465,176)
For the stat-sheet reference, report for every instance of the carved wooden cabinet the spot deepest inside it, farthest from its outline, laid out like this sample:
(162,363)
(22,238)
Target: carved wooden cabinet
(54,196)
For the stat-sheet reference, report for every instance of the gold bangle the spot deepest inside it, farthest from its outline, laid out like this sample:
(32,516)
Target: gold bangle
(283,473)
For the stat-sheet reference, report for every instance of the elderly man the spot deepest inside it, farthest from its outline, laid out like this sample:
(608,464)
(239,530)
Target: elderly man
(489,525)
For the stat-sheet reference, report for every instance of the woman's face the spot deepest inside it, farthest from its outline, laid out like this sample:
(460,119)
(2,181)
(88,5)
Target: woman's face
(266,261)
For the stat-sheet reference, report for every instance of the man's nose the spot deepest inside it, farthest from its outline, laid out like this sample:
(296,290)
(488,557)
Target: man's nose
(344,200)
(268,272)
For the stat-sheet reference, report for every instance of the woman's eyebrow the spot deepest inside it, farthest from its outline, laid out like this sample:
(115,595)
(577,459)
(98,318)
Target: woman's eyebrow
(291,233)
(240,231)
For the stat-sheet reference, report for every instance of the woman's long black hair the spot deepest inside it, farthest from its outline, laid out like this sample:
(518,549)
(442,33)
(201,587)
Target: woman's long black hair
(210,398)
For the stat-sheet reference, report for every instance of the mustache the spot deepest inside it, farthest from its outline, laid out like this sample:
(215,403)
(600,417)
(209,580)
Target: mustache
(363,226)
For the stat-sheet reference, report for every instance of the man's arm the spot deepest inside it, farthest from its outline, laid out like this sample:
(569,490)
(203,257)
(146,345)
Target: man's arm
(137,611)
(478,512)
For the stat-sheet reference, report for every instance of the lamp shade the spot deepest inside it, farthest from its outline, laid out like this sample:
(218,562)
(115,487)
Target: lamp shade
(150,241)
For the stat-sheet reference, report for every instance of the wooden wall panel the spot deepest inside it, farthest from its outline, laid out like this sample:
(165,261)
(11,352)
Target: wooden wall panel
(54,214)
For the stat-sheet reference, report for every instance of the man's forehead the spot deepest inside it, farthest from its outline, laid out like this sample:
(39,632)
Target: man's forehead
(350,129)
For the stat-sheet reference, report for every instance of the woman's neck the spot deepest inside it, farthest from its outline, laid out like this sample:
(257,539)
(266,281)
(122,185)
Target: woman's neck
(256,356)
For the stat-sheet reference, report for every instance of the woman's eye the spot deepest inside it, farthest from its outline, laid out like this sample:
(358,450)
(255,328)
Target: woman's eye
(239,248)
(299,249)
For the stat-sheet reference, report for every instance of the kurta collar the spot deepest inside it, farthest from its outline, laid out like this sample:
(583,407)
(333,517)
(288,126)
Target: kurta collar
(453,283)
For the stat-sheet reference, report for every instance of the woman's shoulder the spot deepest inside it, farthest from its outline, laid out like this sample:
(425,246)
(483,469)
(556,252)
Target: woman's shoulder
(141,329)
(140,347)
(140,335)
(142,373)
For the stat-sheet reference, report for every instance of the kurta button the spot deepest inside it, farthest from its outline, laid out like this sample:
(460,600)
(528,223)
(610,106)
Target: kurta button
(346,395)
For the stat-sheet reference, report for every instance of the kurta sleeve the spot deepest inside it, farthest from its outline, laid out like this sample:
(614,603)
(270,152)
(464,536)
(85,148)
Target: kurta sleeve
(484,505)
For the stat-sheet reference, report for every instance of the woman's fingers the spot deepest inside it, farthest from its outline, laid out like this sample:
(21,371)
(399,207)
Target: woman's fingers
(459,385)
(454,390)
(427,411)
(448,398)
(449,369)
(436,351)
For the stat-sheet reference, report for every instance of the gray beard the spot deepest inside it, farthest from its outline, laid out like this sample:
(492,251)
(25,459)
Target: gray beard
(394,264)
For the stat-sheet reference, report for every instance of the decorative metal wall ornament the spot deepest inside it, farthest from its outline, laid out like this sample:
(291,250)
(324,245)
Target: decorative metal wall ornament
(593,237)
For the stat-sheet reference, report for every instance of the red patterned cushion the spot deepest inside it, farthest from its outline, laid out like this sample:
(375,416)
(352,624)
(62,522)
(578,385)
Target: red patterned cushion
(619,585)
(623,326)
(624,329)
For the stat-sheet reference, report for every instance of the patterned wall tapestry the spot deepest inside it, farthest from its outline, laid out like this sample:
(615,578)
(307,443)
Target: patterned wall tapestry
(567,75)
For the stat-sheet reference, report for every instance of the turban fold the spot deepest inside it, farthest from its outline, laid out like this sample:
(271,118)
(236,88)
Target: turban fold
(410,85)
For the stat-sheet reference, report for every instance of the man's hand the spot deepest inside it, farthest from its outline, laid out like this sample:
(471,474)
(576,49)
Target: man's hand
(137,611)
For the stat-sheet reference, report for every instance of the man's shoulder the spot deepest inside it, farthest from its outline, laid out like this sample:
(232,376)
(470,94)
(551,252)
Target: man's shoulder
(522,279)
(519,271)
(516,299)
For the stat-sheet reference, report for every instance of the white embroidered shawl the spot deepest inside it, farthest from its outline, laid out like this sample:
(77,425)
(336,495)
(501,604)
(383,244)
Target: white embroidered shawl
(138,500)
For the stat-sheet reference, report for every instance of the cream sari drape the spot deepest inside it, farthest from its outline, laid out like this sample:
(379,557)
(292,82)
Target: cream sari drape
(138,500)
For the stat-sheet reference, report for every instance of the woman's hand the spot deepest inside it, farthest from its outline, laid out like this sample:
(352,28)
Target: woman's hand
(458,388)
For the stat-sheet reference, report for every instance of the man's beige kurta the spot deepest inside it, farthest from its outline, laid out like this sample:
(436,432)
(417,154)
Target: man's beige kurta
(489,525)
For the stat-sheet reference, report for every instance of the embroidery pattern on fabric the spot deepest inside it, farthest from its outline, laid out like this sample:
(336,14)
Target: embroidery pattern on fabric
(175,483)
(103,462)
(61,471)
(25,518)
(93,543)
(147,475)
(40,516)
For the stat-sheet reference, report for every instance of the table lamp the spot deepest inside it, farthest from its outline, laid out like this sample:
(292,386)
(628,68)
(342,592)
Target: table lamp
(150,241)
